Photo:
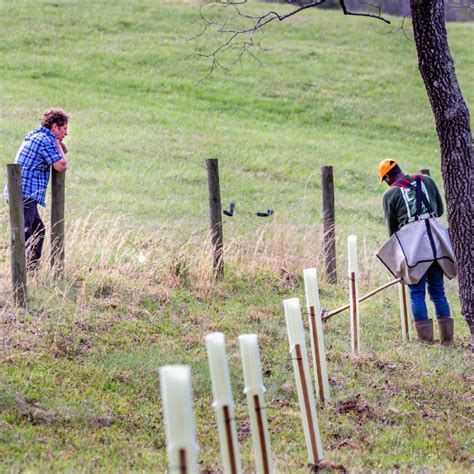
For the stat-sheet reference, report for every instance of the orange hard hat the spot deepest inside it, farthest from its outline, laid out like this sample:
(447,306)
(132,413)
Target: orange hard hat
(385,166)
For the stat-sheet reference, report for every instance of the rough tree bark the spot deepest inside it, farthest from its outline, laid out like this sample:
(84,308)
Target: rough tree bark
(454,132)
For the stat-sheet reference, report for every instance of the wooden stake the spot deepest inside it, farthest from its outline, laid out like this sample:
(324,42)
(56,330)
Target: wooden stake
(329,314)
(304,385)
(299,357)
(182,462)
(314,333)
(261,434)
(223,403)
(230,441)
(405,322)
(176,396)
(355,314)
(318,349)
(254,391)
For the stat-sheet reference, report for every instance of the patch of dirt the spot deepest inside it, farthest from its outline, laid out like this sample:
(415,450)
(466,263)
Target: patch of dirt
(101,421)
(357,405)
(383,365)
(280,402)
(326,465)
(68,346)
(35,414)
(341,442)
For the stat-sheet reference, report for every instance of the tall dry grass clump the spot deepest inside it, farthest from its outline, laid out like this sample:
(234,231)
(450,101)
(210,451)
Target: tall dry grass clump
(111,268)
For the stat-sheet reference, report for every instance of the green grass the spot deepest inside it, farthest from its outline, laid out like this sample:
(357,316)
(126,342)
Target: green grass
(79,385)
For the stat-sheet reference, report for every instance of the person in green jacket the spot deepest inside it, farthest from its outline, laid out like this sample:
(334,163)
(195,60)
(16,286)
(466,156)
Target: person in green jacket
(400,208)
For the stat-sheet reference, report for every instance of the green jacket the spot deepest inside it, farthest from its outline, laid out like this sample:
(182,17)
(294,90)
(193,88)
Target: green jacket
(399,202)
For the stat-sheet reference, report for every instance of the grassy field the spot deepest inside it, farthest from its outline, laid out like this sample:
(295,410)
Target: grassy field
(79,384)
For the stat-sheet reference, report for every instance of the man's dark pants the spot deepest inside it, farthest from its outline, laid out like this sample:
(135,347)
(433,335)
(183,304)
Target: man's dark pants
(34,234)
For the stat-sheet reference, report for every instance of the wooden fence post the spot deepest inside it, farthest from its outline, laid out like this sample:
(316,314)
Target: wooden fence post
(17,235)
(57,222)
(216,216)
(329,223)
(427,172)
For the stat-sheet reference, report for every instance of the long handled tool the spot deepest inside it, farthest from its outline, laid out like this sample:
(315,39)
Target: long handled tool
(325,315)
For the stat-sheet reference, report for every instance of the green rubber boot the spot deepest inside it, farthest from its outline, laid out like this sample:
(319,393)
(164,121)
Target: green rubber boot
(424,329)
(446,330)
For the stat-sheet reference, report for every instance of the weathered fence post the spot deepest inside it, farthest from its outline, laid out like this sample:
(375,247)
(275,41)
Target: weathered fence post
(329,223)
(216,216)
(57,222)
(17,234)
(427,172)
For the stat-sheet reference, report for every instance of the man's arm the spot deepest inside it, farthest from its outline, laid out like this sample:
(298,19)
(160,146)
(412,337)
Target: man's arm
(389,213)
(61,165)
(52,153)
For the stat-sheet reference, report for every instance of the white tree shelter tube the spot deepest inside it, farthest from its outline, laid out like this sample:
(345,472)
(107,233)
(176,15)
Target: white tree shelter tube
(176,396)
(318,348)
(299,357)
(254,390)
(223,403)
(353,273)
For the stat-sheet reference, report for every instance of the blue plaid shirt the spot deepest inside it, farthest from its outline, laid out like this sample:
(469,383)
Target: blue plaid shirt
(36,155)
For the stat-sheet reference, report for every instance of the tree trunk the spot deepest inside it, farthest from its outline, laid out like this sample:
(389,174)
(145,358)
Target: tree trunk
(454,132)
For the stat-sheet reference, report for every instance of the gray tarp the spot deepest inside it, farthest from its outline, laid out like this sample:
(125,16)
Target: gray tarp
(410,252)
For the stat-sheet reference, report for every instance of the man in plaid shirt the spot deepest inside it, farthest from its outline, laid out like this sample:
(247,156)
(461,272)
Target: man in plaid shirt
(41,149)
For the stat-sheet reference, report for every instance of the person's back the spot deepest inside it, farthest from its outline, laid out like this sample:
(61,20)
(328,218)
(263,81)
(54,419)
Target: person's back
(36,155)
(399,201)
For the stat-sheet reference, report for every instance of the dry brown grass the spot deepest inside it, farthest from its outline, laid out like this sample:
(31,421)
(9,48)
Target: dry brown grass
(111,269)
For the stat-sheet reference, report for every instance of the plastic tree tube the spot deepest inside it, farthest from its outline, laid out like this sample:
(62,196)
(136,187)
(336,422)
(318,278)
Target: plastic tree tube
(299,356)
(223,403)
(317,338)
(176,396)
(354,293)
(404,316)
(254,391)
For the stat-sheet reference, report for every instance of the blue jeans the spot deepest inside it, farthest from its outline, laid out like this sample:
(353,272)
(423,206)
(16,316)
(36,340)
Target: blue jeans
(434,278)
(34,234)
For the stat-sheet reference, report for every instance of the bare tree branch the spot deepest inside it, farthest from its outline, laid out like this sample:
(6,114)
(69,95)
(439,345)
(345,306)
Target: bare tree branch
(404,31)
(347,12)
(255,23)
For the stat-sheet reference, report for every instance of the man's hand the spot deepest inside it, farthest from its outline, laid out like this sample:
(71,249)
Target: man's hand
(61,165)
(62,146)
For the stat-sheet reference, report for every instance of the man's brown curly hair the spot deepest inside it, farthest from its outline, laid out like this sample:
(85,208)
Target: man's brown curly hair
(54,116)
